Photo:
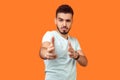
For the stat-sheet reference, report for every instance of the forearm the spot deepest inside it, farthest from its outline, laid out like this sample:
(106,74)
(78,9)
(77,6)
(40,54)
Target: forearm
(82,60)
(42,53)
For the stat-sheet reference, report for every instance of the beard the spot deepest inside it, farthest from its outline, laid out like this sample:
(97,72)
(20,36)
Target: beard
(64,32)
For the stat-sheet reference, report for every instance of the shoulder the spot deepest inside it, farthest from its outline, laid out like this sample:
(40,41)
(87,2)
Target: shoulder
(72,38)
(50,32)
(47,36)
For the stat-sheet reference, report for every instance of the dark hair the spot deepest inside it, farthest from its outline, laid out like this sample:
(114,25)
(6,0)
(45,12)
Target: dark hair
(64,9)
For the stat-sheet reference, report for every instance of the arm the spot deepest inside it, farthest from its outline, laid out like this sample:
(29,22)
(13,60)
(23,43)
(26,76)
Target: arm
(82,60)
(43,50)
(77,55)
(47,50)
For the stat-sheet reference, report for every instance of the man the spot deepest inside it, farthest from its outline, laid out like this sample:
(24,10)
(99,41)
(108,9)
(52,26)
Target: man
(59,50)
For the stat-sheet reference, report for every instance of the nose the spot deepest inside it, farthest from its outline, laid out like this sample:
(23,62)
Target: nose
(64,23)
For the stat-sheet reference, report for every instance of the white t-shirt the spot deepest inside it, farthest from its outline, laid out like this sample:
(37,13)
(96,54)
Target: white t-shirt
(63,67)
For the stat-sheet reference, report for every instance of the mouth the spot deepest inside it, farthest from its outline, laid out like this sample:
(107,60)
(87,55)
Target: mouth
(64,28)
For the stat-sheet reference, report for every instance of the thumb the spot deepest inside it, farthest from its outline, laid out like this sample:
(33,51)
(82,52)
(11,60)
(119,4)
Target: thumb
(69,44)
(52,41)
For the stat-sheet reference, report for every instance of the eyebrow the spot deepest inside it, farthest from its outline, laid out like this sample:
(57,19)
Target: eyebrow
(60,18)
(65,19)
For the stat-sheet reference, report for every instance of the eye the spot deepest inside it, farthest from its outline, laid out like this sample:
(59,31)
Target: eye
(60,20)
(68,20)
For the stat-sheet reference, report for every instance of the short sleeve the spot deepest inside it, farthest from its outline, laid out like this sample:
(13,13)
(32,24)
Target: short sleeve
(77,46)
(47,37)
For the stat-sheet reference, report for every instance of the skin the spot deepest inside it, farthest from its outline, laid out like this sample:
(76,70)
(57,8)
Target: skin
(63,22)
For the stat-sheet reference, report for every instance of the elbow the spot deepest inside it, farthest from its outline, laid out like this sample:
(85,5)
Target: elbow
(40,55)
(85,63)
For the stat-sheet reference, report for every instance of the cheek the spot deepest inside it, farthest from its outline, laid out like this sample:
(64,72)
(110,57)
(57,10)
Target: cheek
(58,24)
(69,25)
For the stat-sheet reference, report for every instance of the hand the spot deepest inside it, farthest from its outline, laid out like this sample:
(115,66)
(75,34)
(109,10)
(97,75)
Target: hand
(72,52)
(51,51)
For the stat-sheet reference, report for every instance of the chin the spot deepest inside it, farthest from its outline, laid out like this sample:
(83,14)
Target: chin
(64,33)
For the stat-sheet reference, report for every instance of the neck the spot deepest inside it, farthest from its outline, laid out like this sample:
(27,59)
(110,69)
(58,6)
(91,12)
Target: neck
(64,36)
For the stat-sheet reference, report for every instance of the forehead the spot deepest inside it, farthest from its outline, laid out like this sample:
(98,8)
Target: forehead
(64,15)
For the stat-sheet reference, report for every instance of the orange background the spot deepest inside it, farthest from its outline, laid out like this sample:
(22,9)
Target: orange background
(24,22)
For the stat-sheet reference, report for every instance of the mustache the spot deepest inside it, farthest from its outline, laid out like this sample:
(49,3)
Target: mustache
(64,27)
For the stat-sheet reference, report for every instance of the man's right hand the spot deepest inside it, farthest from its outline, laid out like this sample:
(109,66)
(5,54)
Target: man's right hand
(51,51)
